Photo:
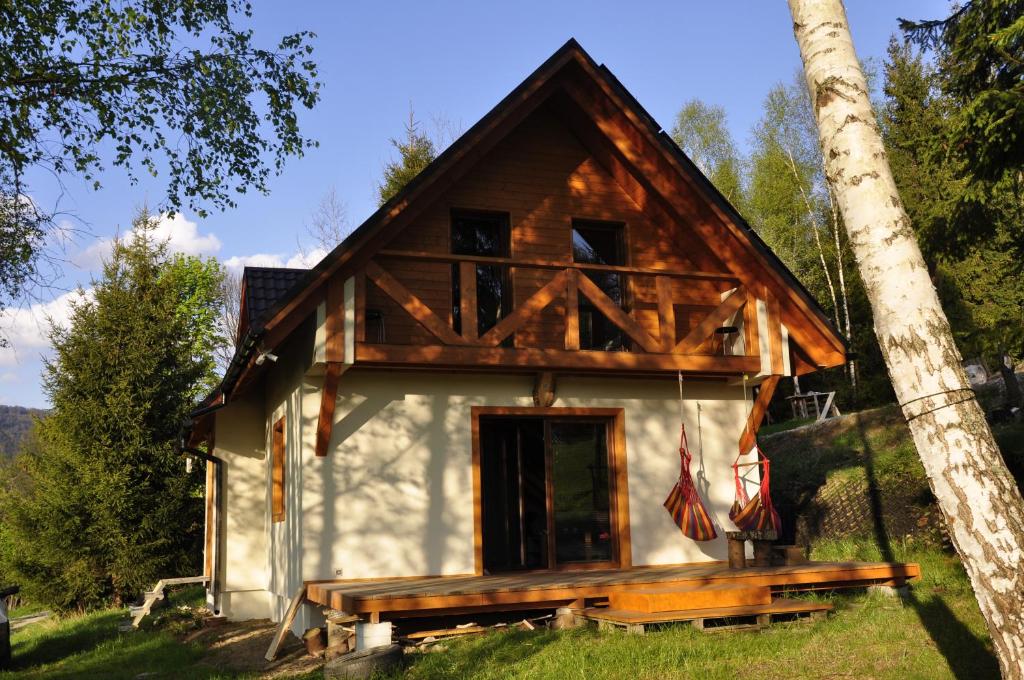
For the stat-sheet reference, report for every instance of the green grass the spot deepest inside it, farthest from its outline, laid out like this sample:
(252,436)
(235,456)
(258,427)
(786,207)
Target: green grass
(938,633)
(90,646)
(25,610)
(790,424)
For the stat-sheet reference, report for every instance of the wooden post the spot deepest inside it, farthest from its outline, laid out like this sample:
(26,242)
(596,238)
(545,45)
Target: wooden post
(737,553)
(762,553)
(666,313)
(467,299)
(572,311)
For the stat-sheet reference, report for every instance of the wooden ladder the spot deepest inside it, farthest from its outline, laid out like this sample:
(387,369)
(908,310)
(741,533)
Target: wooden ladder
(152,596)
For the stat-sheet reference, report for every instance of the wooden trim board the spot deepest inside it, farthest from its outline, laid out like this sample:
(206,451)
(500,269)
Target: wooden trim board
(617,474)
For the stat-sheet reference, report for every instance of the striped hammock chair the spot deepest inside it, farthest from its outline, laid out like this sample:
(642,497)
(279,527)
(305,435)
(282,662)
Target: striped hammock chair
(757,513)
(683,502)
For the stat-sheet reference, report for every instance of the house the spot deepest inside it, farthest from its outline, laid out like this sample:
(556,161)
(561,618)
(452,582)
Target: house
(483,379)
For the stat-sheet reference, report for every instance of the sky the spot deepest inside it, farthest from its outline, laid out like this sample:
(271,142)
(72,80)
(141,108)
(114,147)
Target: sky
(451,61)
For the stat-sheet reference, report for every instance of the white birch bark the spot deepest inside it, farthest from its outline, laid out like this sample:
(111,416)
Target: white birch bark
(983,510)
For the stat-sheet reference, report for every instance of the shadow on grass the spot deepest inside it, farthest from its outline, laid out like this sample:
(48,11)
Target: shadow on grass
(489,653)
(967,654)
(90,646)
(66,640)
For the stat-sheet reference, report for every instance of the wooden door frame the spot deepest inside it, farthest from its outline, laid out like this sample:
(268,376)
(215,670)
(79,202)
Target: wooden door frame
(618,484)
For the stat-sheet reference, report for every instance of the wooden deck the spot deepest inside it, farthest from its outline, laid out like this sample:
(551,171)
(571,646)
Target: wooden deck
(441,595)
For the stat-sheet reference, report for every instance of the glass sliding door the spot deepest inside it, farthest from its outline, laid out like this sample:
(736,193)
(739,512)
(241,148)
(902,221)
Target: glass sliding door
(546,493)
(580,491)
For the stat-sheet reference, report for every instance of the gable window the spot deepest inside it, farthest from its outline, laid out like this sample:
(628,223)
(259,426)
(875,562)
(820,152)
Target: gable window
(277,472)
(603,243)
(482,234)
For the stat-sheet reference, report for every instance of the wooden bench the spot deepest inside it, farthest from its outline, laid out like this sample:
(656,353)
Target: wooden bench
(715,619)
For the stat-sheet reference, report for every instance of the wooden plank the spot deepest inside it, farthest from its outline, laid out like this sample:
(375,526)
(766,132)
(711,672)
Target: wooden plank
(412,305)
(438,356)
(446,632)
(467,300)
(572,311)
(286,623)
(534,304)
(616,314)
(704,330)
(334,322)
(540,263)
(328,399)
(666,313)
(764,397)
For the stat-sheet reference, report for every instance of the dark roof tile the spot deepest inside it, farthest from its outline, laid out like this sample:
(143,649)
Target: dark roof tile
(265,286)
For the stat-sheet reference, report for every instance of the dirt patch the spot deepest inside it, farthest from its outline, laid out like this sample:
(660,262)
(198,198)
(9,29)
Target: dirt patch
(240,646)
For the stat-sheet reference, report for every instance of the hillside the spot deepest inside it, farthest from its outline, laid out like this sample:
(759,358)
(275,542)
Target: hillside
(859,476)
(15,423)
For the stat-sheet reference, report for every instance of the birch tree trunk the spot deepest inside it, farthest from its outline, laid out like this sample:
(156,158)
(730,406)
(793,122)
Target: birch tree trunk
(983,510)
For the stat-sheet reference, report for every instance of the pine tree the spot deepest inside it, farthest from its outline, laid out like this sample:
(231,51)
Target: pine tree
(981,286)
(100,504)
(416,152)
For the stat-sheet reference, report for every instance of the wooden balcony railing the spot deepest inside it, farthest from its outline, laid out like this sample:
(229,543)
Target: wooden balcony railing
(651,349)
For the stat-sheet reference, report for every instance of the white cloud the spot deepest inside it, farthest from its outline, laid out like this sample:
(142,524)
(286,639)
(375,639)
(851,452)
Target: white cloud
(27,328)
(300,260)
(182,236)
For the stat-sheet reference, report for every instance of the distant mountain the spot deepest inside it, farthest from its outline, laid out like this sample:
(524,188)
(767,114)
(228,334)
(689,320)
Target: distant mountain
(15,423)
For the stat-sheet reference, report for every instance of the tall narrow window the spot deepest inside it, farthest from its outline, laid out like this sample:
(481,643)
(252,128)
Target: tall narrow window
(277,472)
(482,234)
(600,243)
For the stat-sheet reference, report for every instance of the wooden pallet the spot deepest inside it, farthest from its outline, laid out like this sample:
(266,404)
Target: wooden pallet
(718,618)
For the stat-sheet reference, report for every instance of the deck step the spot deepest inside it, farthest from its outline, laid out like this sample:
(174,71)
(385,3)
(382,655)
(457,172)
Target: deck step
(675,599)
(756,615)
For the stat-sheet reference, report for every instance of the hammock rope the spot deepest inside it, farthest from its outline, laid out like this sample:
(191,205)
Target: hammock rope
(683,502)
(757,513)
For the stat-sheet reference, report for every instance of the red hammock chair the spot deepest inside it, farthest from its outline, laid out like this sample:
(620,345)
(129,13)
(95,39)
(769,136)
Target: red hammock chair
(684,504)
(757,513)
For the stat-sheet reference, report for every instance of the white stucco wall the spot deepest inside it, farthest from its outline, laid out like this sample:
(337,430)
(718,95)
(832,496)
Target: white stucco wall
(242,545)
(394,495)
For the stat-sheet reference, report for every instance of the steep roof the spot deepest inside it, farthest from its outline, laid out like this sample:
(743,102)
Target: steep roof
(571,61)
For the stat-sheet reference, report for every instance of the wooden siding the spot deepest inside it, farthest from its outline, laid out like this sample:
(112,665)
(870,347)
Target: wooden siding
(543,177)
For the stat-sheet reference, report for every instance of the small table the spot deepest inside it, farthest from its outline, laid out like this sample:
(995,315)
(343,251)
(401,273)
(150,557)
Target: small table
(762,547)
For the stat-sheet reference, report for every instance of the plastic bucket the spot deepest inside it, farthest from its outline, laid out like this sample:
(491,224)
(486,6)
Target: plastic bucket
(370,635)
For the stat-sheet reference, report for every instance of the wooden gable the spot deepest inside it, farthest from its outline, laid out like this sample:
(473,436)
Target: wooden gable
(568,143)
